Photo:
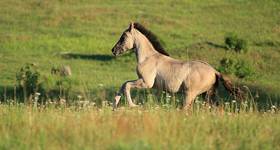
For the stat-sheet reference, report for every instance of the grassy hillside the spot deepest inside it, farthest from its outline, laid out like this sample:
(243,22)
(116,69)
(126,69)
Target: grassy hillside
(39,32)
(80,34)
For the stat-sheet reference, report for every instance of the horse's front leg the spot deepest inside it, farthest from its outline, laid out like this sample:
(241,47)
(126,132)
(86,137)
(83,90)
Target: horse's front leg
(125,89)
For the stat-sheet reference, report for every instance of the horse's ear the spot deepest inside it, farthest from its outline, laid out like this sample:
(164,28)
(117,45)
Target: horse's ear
(131,26)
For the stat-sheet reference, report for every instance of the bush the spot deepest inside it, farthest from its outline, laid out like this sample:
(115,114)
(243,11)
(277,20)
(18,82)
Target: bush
(31,81)
(232,41)
(240,68)
(64,84)
(244,69)
(28,80)
(57,86)
(227,66)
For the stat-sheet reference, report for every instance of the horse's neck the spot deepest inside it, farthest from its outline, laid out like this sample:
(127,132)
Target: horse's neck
(144,47)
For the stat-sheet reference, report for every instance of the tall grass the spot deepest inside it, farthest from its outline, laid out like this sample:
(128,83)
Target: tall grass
(57,126)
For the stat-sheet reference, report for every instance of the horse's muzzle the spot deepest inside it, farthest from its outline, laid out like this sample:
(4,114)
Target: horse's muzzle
(113,52)
(117,51)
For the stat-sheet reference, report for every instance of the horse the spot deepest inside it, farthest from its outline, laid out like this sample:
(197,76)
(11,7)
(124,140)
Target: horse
(156,69)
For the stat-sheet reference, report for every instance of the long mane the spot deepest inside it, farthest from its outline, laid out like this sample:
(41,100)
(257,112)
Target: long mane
(151,37)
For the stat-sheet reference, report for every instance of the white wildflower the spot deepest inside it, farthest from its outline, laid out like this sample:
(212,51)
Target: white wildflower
(79,97)
(37,94)
(62,101)
(168,96)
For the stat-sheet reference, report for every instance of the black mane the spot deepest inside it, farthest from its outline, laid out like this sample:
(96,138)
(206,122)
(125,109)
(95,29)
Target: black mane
(151,37)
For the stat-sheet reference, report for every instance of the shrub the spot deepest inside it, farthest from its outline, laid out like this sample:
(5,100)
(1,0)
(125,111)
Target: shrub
(64,84)
(227,66)
(28,80)
(57,86)
(238,67)
(232,41)
(243,69)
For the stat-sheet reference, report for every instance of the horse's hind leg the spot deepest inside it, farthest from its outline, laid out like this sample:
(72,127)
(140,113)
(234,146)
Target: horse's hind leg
(210,96)
(189,98)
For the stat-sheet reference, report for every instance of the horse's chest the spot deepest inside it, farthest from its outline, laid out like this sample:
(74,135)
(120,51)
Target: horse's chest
(146,70)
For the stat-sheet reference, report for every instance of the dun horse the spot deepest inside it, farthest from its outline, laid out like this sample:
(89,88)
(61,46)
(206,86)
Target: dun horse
(156,69)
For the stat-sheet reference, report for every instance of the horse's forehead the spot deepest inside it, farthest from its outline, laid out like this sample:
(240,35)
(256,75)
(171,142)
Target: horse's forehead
(125,31)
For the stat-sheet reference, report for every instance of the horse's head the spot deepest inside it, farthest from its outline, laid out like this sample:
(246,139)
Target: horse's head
(125,42)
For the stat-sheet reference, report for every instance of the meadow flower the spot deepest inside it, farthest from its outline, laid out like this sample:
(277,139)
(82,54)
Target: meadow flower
(37,94)
(62,101)
(92,103)
(86,102)
(49,101)
(257,95)
(79,97)
(204,103)
(105,103)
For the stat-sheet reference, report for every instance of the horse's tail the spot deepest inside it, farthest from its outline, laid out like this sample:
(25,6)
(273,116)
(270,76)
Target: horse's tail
(233,90)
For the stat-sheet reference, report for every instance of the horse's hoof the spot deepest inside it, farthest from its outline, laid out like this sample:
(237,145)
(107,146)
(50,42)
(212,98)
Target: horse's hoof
(114,109)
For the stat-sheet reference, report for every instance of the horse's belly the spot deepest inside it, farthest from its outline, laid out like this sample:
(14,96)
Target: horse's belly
(167,85)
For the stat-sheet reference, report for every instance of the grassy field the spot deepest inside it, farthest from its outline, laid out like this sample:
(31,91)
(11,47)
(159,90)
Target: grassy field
(24,127)
(81,34)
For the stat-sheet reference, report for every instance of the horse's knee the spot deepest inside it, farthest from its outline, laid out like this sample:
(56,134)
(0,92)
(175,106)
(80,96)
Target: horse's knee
(148,84)
(142,84)
(126,86)
(123,88)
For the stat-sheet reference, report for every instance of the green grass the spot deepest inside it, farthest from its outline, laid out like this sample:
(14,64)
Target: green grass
(23,127)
